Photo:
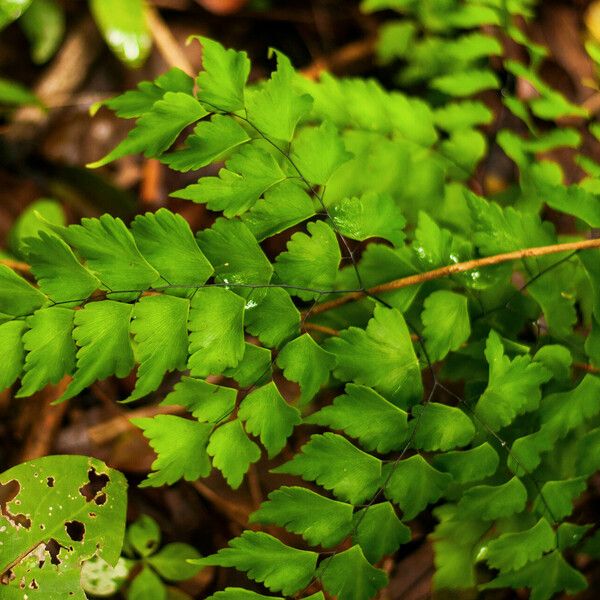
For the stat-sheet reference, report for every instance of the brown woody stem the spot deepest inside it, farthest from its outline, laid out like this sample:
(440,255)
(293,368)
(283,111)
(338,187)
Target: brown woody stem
(454,269)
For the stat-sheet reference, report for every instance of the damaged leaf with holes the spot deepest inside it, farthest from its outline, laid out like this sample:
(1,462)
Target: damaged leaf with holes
(57,512)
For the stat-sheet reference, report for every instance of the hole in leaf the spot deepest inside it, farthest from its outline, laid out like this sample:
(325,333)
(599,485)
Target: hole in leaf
(53,548)
(50,481)
(75,530)
(8,493)
(34,584)
(7,577)
(100,499)
(92,515)
(96,483)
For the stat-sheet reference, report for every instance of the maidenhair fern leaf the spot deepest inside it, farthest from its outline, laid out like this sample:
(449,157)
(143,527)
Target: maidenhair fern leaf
(17,296)
(318,152)
(493,501)
(555,500)
(102,335)
(232,452)
(446,323)
(57,270)
(275,108)
(282,207)
(547,576)
(382,356)
(216,327)
(180,445)
(513,388)
(233,593)
(236,257)
(467,466)
(319,520)
(11,352)
(111,253)
(159,328)
(207,402)
(50,349)
(363,414)
(413,483)
(306,363)
(372,215)
(157,129)
(250,172)
(311,261)
(267,560)
(512,551)
(211,141)
(440,427)
(379,531)
(259,322)
(348,575)
(254,368)
(268,415)
(167,243)
(334,463)
(223,78)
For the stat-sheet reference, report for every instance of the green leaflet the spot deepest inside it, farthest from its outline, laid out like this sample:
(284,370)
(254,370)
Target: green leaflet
(254,368)
(272,332)
(250,172)
(371,215)
(111,253)
(555,500)
(102,335)
(311,261)
(57,270)
(180,446)
(232,452)
(17,296)
(144,535)
(216,325)
(513,388)
(467,466)
(413,483)
(211,141)
(363,414)
(440,427)
(319,520)
(382,357)
(511,551)
(282,207)
(156,130)
(305,362)
(266,560)
(492,502)
(221,83)
(268,415)
(317,152)
(546,576)
(207,402)
(11,352)
(348,575)
(171,561)
(275,108)
(379,531)
(50,349)
(135,103)
(236,257)
(334,463)
(446,323)
(159,327)
(147,583)
(167,243)
(231,593)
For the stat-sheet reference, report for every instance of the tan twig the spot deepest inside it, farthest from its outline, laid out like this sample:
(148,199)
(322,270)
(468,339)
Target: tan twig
(455,268)
(341,58)
(320,328)
(166,43)
(587,368)
(15,265)
(236,511)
